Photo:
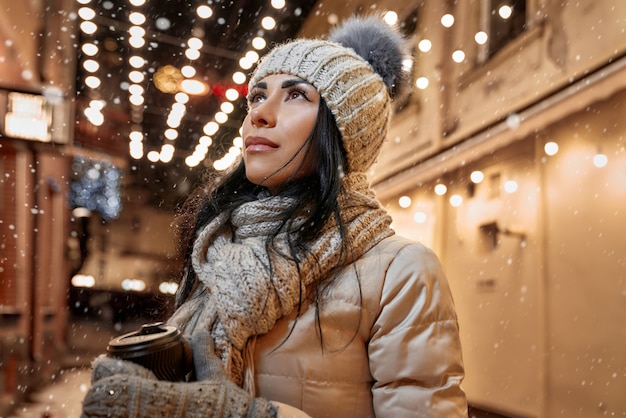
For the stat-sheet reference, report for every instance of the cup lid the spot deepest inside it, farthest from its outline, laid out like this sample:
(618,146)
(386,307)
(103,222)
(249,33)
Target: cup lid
(151,337)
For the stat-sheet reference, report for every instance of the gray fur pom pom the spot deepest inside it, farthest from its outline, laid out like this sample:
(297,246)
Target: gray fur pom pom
(379,44)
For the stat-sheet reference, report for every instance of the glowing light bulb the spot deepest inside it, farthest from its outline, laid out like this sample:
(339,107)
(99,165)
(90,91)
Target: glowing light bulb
(89,49)
(456,200)
(194,43)
(447,20)
(188,71)
(86,13)
(227,107)
(221,117)
(153,156)
(425,45)
(232,94)
(505,11)
(239,77)
(391,18)
(245,63)
(171,134)
(551,148)
(477,176)
(481,37)
(252,56)
(278,4)
(600,160)
(192,54)
(136,76)
(204,11)
(91,65)
(268,23)
(211,128)
(88,27)
(137,18)
(510,186)
(419,217)
(92,82)
(259,43)
(136,61)
(137,31)
(421,83)
(404,202)
(135,136)
(458,56)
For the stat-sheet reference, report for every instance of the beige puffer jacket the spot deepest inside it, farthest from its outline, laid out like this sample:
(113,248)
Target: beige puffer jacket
(393,352)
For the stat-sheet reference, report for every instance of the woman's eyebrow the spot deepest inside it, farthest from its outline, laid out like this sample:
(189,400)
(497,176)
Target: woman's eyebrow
(293,82)
(285,84)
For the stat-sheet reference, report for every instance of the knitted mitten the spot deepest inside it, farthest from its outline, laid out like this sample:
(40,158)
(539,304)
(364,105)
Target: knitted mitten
(126,396)
(105,366)
(127,390)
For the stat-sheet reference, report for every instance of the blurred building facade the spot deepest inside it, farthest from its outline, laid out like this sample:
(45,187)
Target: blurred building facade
(527,134)
(507,158)
(36,94)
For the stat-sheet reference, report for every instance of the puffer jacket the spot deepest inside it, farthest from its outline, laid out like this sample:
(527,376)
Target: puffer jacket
(388,349)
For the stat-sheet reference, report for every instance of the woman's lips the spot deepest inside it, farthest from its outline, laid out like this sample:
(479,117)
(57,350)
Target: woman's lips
(259,143)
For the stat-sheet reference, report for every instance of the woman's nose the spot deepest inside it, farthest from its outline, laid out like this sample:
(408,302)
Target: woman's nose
(263,114)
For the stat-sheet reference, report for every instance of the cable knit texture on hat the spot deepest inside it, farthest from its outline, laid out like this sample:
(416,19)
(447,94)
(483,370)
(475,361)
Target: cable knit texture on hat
(353,91)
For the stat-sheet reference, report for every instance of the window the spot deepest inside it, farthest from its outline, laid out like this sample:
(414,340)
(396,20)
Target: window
(506,20)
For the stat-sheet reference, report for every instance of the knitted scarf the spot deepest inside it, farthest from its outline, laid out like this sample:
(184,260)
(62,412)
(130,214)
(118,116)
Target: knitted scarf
(244,288)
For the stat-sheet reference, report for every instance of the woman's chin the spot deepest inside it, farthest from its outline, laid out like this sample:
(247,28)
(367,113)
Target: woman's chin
(260,179)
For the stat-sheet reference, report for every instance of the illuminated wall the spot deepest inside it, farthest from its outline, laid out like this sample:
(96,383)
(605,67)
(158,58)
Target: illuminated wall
(534,251)
(535,257)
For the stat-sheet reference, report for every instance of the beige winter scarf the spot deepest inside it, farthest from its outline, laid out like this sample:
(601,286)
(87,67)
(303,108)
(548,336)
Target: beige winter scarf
(240,295)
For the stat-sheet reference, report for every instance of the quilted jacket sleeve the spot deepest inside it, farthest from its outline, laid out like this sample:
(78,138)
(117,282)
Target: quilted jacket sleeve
(414,350)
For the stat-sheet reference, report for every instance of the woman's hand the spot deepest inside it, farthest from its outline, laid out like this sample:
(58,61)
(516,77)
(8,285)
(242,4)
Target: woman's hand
(123,389)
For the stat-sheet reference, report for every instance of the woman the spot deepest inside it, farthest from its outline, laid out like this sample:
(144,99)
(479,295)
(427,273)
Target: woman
(294,278)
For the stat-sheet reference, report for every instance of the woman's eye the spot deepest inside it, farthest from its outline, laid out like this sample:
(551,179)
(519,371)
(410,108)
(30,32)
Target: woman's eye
(295,94)
(255,98)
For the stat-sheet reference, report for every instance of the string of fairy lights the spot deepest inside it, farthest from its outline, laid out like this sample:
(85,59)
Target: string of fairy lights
(423,210)
(187,84)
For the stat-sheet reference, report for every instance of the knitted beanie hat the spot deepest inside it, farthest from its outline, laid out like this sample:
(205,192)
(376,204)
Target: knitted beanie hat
(357,72)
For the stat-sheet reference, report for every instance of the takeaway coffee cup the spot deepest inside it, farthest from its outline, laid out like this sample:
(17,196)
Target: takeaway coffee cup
(158,347)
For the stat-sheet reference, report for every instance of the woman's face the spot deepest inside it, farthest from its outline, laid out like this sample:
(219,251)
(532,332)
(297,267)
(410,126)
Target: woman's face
(282,110)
